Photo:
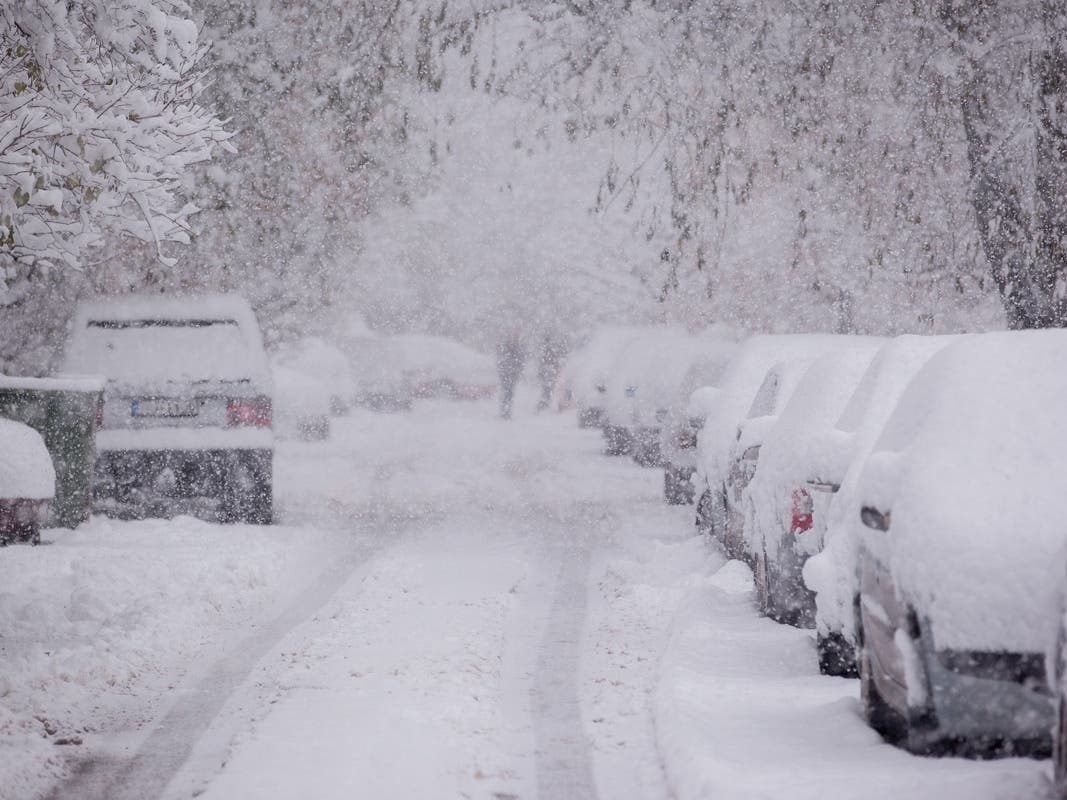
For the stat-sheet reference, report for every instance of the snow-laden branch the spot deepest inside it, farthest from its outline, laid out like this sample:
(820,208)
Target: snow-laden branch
(99,121)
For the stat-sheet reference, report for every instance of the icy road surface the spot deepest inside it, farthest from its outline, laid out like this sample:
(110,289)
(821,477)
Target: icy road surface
(453,607)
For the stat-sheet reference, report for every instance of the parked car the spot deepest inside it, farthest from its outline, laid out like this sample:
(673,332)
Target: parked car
(586,372)
(715,443)
(661,398)
(678,443)
(721,466)
(302,405)
(442,368)
(27,483)
(633,375)
(961,546)
(327,367)
(187,412)
(787,499)
(838,458)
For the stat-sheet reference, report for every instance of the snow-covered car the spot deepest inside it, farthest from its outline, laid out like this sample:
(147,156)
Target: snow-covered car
(678,441)
(837,458)
(637,372)
(442,368)
(961,549)
(586,372)
(302,405)
(751,399)
(27,483)
(786,501)
(325,364)
(187,412)
(660,399)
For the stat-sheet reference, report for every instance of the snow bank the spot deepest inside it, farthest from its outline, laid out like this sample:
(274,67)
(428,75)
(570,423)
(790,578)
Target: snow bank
(972,467)
(108,617)
(26,469)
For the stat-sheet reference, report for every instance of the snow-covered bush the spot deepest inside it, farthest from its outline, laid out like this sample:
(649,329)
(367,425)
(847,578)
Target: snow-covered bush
(99,121)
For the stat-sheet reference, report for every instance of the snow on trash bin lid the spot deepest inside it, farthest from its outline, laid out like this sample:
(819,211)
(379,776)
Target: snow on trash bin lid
(26,469)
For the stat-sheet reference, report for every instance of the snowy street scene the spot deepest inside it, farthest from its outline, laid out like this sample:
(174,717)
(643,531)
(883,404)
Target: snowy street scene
(451,607)
(533,400)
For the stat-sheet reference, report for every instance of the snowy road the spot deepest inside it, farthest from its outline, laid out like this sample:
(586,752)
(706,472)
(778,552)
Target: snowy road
(455,607)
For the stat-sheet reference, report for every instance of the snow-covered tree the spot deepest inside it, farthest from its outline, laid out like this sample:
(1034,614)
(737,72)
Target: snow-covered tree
(100,119)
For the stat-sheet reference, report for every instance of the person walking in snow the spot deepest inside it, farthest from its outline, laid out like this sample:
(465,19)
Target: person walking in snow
(510,359)
(549,361)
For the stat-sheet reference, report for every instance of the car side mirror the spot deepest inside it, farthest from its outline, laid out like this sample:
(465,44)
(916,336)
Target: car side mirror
(874,519)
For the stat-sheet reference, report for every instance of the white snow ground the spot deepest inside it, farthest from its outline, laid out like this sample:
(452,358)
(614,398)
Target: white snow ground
(455,606)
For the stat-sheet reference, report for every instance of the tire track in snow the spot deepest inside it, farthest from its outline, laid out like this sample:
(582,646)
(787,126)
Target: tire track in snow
(160,756)
(563,764)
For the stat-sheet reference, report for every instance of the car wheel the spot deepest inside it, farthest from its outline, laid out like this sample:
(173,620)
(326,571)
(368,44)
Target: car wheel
(674,488)
(882,717)
(249,495)
(914,730)
(764,601)
(837,656)
(705,515)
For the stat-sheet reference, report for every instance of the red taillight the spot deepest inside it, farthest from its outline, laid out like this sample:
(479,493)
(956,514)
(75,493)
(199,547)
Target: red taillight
(802,510)
(248,413)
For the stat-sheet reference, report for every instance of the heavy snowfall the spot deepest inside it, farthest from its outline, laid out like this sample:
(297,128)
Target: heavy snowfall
(515,399)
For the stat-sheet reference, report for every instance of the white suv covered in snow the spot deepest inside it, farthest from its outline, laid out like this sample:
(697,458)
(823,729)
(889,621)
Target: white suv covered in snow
(186,421)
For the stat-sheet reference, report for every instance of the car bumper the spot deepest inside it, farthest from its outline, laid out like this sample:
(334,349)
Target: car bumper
(167,482)
(973,706)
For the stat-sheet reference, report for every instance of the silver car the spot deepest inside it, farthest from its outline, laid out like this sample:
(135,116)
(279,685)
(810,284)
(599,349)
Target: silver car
(187,414)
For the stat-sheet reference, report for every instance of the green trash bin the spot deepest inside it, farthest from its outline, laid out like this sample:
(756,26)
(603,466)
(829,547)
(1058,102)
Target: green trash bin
(64,411)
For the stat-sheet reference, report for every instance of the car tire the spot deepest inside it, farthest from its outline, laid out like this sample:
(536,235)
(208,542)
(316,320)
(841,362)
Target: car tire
(882,717)
(677,490)
(249,494)
(704,515)
(837,656)
(914,731)
(761,579)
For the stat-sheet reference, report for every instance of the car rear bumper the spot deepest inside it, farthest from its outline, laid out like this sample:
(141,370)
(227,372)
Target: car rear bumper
(164,483)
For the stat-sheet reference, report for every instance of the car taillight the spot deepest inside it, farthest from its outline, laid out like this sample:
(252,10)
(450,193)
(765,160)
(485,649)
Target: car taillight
(249,413)
(802,509)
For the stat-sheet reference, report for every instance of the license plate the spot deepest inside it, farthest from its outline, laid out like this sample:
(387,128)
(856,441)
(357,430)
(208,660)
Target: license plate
(157,407)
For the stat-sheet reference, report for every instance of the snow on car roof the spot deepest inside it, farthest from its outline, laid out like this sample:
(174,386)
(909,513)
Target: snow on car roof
(590,364)
(796,448)
(972,467)
(58,383)
(150,340)
(26,469)
(831,573)
(739,385)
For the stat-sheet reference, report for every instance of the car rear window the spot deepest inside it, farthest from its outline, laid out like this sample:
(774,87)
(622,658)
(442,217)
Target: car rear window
(138,351)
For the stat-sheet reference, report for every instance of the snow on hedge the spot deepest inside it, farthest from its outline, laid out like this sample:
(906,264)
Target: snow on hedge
(972,466)
(25,467)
